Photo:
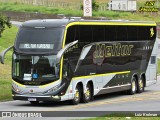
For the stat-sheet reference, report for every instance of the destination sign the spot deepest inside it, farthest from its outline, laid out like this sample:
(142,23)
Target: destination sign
(36,46)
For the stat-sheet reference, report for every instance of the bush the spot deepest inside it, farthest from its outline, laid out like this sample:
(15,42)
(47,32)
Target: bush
(95,6)
(4,21)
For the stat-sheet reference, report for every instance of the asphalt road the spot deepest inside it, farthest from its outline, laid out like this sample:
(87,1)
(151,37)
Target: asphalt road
(146,101)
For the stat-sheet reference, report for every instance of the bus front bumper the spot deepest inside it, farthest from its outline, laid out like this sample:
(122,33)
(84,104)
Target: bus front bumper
(36,98)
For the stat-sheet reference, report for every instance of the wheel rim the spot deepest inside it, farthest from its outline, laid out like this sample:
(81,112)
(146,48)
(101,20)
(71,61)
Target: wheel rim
(133,85)
(76,96)
(141,84)
(88,93)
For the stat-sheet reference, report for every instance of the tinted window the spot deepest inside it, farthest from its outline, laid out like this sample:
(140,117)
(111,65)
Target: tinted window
(151,32)
(142,33)
(39,36)
(85,33)
(110,33)
(72,34)
(153,59)
(98,33)
(122,34)
(132,33)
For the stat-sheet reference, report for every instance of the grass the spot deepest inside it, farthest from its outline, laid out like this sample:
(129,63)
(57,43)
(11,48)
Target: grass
(6,40)
(5,88)
(19,7)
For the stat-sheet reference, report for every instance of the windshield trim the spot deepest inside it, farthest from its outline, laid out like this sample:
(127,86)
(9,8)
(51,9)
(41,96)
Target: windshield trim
(46,78)
(34,54)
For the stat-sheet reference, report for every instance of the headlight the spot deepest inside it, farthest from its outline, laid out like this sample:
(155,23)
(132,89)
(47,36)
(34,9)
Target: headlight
(15,89)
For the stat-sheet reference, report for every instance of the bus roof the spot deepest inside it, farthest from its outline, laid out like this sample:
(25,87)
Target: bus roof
(65,22)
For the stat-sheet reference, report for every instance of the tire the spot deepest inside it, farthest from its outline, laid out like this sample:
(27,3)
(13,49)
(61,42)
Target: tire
(77,96)
(133,89)
(88,95)
(140,86)
(34,102)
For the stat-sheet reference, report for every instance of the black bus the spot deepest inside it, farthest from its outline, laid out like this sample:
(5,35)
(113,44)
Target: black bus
(70,59)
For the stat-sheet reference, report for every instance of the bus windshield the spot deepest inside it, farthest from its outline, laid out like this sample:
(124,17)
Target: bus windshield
(42,69)
(39,40)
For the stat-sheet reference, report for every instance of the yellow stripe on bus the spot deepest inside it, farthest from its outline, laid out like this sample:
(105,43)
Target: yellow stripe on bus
(111,23)
(106,74)
(18,83)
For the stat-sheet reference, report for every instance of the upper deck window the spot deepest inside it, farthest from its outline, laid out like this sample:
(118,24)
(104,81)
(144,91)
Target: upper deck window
(39,40)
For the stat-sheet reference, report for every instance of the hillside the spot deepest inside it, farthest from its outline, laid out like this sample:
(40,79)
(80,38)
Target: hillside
(72,8)
(6,40)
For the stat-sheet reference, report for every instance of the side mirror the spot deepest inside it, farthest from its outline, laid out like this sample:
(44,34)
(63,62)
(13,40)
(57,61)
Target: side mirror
(3,53)
(84,52)
(62,51)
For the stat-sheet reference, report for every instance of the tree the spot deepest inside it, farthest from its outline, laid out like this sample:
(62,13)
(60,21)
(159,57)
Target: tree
(95,6)
(4,21)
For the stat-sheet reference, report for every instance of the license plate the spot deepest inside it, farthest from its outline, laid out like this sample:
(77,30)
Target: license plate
(32,99)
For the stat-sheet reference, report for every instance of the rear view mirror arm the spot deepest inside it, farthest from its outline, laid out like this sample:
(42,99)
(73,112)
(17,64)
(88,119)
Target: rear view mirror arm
(62,51)
(3,53)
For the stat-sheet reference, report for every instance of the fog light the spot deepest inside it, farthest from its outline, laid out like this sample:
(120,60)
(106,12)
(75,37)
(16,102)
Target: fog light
(55,97)
(17,90)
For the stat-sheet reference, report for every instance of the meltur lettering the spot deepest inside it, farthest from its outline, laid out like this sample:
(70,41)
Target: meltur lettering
(103,50)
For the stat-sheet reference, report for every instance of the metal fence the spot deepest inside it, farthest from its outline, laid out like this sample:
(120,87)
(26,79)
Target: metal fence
(70,4)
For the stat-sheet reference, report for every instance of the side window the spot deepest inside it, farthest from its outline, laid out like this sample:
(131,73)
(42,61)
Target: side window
(110,33)
(72,34)
(142,33)
(151,32)
(153,59)
(122,34)
(85,33)
(132,33)
(67,71)
(98,33)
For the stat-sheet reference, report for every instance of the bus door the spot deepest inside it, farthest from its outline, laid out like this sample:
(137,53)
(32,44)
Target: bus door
(151,72)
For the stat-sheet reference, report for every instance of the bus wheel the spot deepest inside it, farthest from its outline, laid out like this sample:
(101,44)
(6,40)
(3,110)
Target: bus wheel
(140,86)
(34,102)
(87,96)
(77,96)
(133,86)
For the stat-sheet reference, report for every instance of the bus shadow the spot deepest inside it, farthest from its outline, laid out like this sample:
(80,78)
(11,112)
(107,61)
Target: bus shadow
(118,95)
(108,96)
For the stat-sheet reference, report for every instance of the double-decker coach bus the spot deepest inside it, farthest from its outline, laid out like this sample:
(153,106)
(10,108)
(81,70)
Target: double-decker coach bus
(71,59)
